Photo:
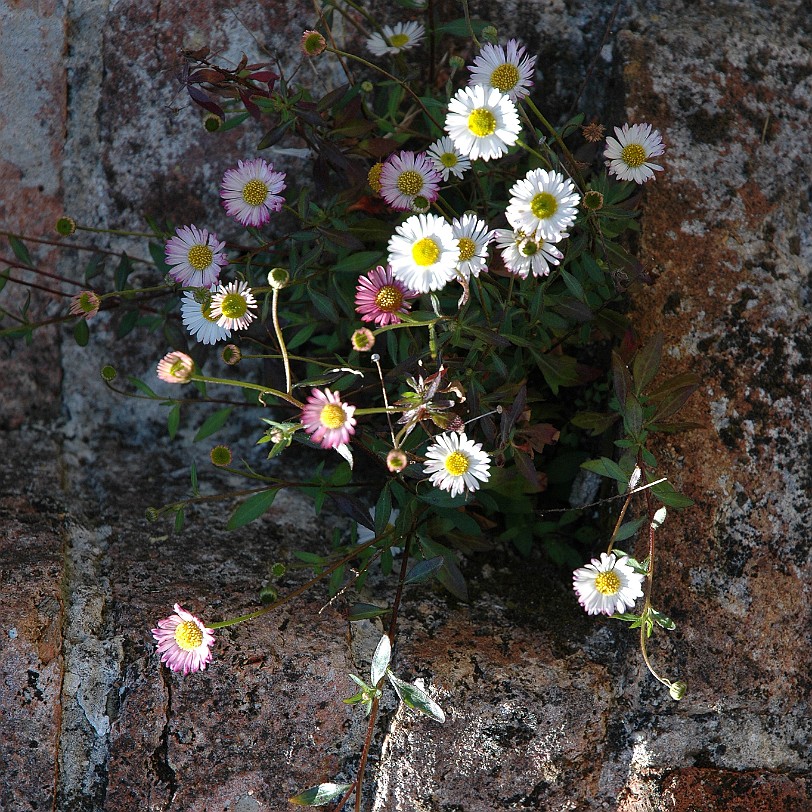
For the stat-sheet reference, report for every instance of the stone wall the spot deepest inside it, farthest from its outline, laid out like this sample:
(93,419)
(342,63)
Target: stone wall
(546,709)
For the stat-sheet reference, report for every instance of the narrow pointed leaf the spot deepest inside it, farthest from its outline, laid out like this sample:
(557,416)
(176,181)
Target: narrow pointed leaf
(320,795)
(416,698)
(252,508)
(380,660)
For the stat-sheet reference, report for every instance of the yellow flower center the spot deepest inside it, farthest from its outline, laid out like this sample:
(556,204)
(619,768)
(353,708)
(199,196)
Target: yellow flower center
(233,306)
(200,257)
(332,416)
(425,252)
(633,155)
(543,205)
(410,182)
(482,122)
(607,583)
(398,40)
(456,463)
(449,159)
(205,311)
(254,192)
(505,77)
(389,299)
(467,249)
(374,177)
(188,635)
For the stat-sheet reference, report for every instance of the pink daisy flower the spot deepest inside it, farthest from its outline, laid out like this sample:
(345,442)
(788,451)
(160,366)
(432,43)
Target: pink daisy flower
(251,191)
(196,257)
(406,176)
(184,642)
(327,419)
(381,298)
(176,367)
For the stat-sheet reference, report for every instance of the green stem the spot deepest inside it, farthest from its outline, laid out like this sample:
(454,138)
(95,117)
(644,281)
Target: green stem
(266,390)
(560,141)
(280,339)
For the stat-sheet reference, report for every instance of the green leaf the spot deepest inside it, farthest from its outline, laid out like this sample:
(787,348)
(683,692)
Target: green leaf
(81,332)
(320,795)
(20,251)
(633,416)
(558,370)
(647,362)
(423,569)
(214,422)
(416,698)
(365,611)
(668,496)
(662,620)
(380,660)
(158,254)
(383,510)
(127,323)
(252,508)
(124,269)
(173,421)
(141,386)
(193,478)
(573,285)
(595,422)
(324,304)
(628,529)
(606,467)
(180,518)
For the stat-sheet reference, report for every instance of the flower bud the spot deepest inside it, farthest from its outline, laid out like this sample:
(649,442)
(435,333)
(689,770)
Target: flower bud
(231,354)
(490,34)
(677,690)
(212,123)
(278,278)
(396,460)
(108,373)
(593,200)
(65,226)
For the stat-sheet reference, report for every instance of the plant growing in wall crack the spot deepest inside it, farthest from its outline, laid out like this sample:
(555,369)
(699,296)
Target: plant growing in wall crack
(437,310)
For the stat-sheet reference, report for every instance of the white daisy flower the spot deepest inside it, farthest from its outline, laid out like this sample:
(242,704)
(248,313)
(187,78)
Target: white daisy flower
(628,154)
(406,176)
(447,158)
(456,463)
(251,191)
(474,236)
(396,39)
(509,70)
(423,253)
(543,203)
(198,319)
(196,257)
(607,585)
(231,305)
(524,255)
(482,122)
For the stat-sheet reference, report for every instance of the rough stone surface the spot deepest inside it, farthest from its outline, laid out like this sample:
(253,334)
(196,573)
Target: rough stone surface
(547,709)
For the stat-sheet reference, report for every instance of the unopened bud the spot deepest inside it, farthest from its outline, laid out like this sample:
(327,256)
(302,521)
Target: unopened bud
(108,373)
(678,690)
(212,123)
(278,278)
(490,34)
(65,226)
(232,354)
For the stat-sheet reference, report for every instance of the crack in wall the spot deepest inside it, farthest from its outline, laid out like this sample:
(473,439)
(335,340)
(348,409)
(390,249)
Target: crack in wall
(160,755)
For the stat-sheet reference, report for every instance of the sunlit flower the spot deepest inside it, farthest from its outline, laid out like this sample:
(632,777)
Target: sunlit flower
(231,305)
(524,255)
(628,154)
(184,642)
(424,252)
(509,69)
(456,463)
(197,317)
(327,419)
(176,367)
(313,43)
(482,122)
(396,39)
(447,158)
(406,176)
(381,298)
(362,340)
(251,191)
(542,203)
(195,256)
(607,585)
(85,304)
(474,236)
